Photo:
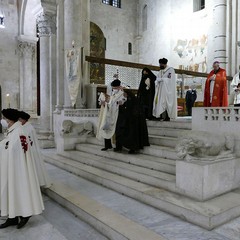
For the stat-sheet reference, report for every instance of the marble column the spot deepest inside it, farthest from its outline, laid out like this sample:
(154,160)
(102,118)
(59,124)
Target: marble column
(46,28)
(28,77)
(77,29)
(220,31)
(60,58)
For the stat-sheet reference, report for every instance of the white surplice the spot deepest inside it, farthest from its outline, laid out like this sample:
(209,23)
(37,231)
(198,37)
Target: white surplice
(19,186)
(36,155)
(165,98)
(108,116)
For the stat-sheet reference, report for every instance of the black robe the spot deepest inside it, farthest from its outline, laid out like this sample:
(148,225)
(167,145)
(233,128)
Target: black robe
(131,128)
(146,96)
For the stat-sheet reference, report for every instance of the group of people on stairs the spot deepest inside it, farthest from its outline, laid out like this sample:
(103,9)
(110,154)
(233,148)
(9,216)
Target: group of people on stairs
(123,115)
(22,171)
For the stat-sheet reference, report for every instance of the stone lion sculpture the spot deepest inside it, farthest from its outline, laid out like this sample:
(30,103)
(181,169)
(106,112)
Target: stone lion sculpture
(70,128)
(199,145)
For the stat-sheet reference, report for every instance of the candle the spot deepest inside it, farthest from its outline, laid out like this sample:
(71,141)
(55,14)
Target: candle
(8,100)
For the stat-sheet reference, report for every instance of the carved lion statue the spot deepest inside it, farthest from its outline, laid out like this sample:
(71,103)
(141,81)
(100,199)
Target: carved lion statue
(199,145)
(70,128)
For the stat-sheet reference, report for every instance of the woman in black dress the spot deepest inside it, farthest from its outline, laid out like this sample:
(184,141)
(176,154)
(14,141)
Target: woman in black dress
(146,92)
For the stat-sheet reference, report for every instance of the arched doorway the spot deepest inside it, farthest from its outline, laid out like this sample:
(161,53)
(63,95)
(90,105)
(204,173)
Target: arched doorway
(97,49)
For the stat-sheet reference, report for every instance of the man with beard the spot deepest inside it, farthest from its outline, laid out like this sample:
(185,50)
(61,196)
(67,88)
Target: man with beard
(165,100)
(146,92)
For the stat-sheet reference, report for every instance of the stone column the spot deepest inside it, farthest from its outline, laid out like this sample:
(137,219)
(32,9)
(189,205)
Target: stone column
(60,57)
(28,78)
(46,27)
(220,31)
(77,29)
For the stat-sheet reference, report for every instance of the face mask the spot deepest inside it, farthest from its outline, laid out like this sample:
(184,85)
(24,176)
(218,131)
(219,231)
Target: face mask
(4,123)
(115,91)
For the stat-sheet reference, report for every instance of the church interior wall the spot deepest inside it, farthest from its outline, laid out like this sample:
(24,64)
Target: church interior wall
(9,64)
(119,26)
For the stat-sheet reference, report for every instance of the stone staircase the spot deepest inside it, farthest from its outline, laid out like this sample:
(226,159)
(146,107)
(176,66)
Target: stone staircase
(148,177)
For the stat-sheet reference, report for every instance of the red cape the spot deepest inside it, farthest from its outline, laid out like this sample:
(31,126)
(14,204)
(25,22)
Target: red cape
(220,91)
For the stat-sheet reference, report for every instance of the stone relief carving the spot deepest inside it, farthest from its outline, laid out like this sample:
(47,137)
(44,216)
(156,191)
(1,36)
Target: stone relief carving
(72,129)
(81,112)
(46,24)
(205,146)
(27,49)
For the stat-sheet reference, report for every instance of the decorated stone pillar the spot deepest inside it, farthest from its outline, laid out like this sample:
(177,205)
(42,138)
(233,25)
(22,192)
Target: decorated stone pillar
(28,78)
(46,28)
(76,45)
(60,58)
(220,31)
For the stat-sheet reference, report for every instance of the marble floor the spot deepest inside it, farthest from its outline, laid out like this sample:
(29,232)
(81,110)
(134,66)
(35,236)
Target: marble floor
(55,223)
(168,226)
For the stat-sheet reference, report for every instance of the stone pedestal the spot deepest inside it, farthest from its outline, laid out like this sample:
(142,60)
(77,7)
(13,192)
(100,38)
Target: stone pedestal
(205,180)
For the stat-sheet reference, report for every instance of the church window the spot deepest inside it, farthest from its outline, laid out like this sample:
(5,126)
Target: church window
(114,3)
(145,18)
(2,25)
(129,48)
(198,5)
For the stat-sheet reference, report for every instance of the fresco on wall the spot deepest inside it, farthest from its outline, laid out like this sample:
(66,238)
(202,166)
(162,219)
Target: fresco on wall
(97,49)
(190,49)
(194,51)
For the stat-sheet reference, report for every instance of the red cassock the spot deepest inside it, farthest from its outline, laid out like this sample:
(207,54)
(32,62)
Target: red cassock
(220,91)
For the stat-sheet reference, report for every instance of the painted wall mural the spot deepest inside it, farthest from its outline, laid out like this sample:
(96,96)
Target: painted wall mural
(194,51)
(97,49)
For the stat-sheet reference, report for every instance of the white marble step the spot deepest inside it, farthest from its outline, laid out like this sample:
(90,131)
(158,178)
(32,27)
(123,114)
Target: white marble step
(161,152)
(139,174)
(167,132)
(154,150)
(208,214)
(142,160)
(163,141)
(180,123)
(111,224)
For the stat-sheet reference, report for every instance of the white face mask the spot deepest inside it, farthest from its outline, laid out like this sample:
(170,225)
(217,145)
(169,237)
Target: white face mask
(4,123)
(115,91)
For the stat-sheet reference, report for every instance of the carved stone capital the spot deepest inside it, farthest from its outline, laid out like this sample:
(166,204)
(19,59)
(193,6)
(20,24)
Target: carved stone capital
(46,24)
(26,49)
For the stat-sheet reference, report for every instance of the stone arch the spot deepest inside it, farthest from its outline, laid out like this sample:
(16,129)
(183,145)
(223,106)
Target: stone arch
(97,49)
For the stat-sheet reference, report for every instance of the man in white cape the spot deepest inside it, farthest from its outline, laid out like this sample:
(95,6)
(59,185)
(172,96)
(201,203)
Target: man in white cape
(109,113)
(19,187)
(34,150)
(165,99)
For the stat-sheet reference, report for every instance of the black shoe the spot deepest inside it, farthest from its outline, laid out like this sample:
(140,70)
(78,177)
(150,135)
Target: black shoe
(131,152)
(166,120)
(23,222)
(10,222)
(106,148)
(117,149)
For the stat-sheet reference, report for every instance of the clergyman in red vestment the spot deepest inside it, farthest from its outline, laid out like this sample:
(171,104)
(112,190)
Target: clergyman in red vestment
(216,91)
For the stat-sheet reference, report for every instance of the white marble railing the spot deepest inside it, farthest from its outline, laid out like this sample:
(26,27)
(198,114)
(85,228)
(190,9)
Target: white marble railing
(81,112)
(225,119)
(222,114)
